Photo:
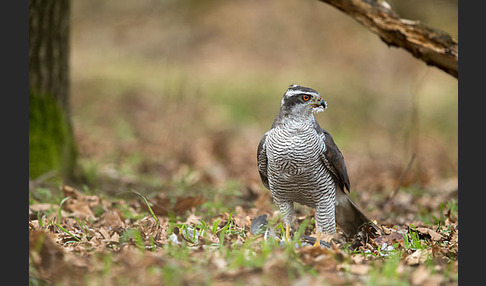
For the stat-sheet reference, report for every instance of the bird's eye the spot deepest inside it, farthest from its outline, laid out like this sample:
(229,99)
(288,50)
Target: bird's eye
(306,97)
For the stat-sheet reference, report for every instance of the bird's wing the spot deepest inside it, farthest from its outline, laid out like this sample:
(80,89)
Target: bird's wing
(333,159)
(349,217)
(262,161)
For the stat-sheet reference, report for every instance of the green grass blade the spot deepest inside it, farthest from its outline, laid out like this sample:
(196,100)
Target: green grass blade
(148,206)
(83,227)
(68,232)
(214,229)
(59,210)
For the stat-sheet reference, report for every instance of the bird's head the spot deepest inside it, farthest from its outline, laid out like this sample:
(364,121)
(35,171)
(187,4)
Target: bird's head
(302,101)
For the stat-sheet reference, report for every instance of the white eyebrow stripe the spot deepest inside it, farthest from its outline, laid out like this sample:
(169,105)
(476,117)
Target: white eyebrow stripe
(291,92)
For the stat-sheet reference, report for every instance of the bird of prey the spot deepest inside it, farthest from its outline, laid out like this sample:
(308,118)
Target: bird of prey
(298,161)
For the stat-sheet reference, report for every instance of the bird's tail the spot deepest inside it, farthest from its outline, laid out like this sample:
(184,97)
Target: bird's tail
(349,217)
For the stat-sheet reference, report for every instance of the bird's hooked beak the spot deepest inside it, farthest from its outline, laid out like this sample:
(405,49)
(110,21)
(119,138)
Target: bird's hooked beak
(319,103)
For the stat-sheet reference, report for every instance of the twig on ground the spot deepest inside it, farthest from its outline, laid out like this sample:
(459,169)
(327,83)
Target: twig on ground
(389,203)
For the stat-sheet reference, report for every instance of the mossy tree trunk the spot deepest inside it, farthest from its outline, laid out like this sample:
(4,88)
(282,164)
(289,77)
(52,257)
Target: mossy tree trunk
(51,142)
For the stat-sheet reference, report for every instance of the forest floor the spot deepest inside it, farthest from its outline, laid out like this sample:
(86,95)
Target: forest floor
(80,237)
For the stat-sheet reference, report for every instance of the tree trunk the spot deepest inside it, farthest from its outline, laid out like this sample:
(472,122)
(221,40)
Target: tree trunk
(51,144)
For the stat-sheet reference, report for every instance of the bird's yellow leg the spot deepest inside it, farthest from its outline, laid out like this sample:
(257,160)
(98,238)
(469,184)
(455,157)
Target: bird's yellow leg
(318,240)
(287,232)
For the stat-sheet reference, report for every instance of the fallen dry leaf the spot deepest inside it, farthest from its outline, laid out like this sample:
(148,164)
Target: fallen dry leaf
(69,191)
(79,209)
(422,276)
(389,239)
(41,208)
(78,204)
(160,205)
(417,257)
(359,269)
(357,258)
(184,204)
(432,233)
(112,218)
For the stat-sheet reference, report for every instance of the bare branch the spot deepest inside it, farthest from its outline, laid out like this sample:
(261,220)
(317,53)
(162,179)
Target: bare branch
(433,46)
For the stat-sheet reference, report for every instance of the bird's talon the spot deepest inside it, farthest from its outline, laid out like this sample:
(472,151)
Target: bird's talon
(287,233)
(318,240)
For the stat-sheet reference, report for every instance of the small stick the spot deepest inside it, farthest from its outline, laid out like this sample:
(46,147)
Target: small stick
(389,203)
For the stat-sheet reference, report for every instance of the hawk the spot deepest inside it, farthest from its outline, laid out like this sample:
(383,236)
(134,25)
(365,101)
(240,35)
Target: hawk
(298,161)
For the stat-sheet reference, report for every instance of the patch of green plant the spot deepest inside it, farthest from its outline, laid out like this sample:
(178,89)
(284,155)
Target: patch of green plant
(453,206)
(224,231)
(430,218)
(133,235)
(412,240)
(214,228)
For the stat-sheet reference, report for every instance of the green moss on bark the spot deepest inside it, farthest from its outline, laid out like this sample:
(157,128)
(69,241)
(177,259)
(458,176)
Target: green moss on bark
(51,142)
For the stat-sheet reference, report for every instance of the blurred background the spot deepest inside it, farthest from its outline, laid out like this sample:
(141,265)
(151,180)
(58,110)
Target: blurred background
(174,97)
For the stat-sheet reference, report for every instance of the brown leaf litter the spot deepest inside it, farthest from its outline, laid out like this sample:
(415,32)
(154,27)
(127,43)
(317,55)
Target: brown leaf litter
(96,242)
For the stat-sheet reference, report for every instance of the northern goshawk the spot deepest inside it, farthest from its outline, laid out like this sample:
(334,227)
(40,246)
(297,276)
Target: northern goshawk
(298,161)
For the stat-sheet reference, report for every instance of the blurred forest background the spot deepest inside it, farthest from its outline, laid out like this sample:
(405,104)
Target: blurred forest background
(169,91)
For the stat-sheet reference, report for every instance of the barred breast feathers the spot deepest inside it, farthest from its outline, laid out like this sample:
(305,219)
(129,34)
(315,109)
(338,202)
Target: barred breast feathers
(295,169)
